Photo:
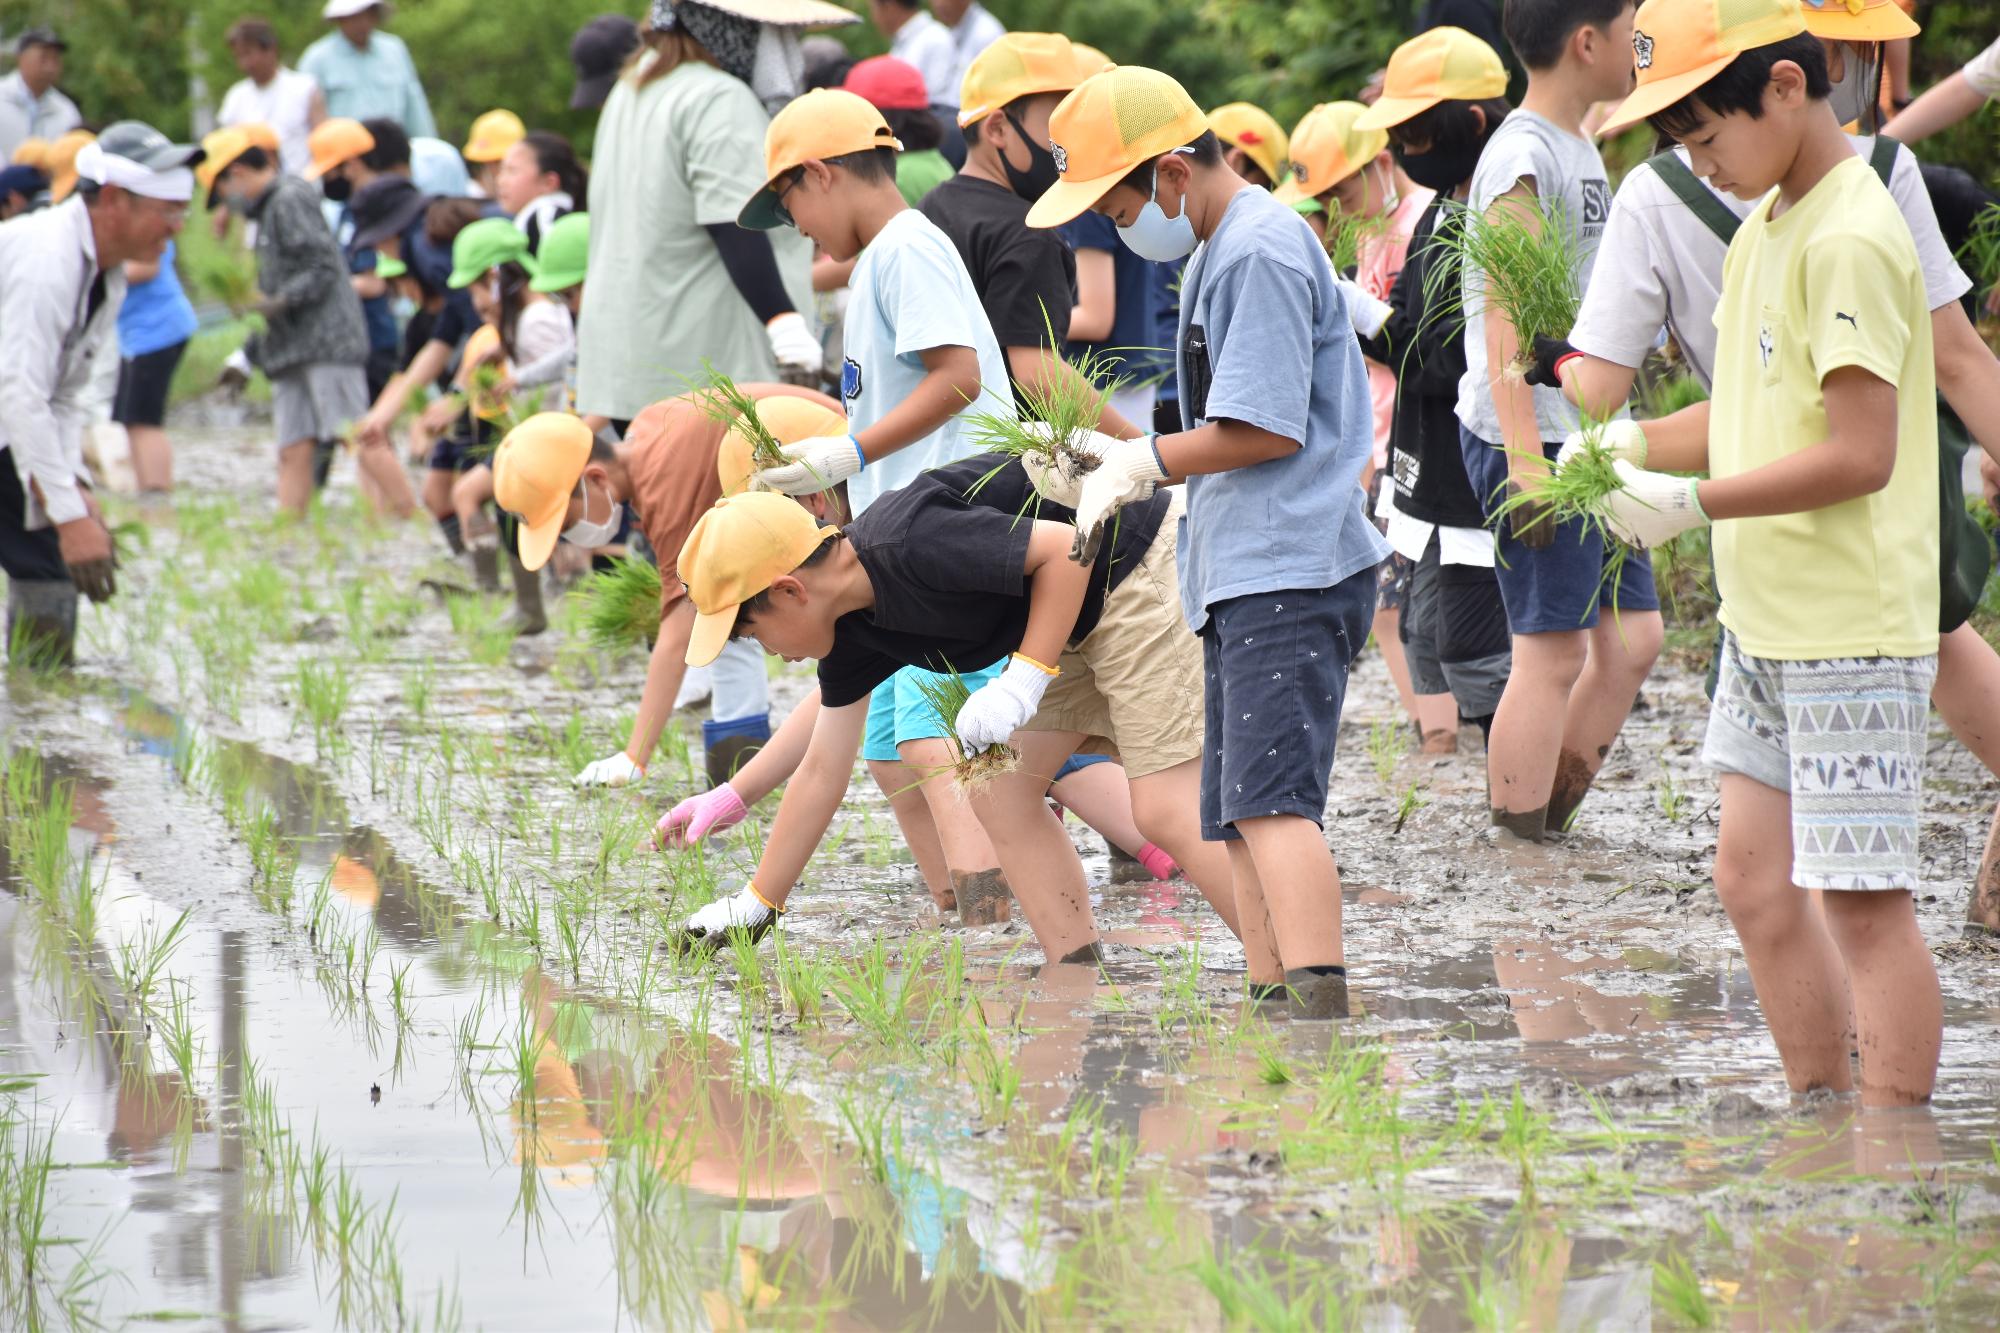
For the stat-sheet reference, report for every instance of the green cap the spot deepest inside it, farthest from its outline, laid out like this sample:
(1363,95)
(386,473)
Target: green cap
(387,267)
(565,253)
(484,244)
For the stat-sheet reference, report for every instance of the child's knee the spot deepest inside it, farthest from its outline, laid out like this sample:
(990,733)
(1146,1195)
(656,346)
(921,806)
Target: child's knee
(1863,921)
(1758,893)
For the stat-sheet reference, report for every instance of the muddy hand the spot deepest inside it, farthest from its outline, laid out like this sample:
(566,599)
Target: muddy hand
(1530,521)
(698,817)
(86,549)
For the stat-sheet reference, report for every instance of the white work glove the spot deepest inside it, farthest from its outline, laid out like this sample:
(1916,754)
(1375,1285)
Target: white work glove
(740,911)
(1653,507)
(1624,439)
(794,348)
(1051,478)
(819,463)
(1128,472)
(1365,312)
(615,771)
(1002,706)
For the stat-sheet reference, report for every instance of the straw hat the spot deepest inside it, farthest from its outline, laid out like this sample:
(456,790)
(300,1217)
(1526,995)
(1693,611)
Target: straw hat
(782,13)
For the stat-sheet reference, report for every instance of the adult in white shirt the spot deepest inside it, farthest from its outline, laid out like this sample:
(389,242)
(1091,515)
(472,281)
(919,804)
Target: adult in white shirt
(31,106)
(914,35)
(973,29)
(61,282)
(271,94)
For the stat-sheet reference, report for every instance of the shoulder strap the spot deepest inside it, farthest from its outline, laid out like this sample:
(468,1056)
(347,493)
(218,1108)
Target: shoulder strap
(1882,156)
(1701,201)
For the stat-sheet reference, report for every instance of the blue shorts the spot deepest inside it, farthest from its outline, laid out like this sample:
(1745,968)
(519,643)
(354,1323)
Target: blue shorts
(898,711)
(1275,670)
(1562,586)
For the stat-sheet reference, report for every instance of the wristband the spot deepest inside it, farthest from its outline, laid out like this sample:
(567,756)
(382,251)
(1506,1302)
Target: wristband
(1562,361)
(1159,462)
(758,894)
(1042,667)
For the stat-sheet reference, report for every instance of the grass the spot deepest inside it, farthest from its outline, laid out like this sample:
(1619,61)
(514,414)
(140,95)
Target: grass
(620,605)
(1525,257)
(947,693)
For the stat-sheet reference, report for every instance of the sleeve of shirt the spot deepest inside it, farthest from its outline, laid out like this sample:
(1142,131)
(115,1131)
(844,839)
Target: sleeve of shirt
(547,344)
(1944,280)
(1625,305)
(846,675)
(417,118)
(1029,291)
(1852,314)
(1983,71)
(1260,331)
(723,148)
(35,312)
(919,284)
(1507,161)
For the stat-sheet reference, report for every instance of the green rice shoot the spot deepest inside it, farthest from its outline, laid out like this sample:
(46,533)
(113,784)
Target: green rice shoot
(227,274)
(947,693)
(1526,258)
(722,401)
(1578,492)
(1069,407)
(1345,235)
(620,605)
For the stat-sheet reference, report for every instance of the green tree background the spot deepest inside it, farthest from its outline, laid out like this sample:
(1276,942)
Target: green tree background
(129,58)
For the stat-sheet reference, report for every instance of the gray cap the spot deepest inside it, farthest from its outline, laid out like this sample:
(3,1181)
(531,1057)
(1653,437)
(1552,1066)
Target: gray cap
(39,36)
(136,141)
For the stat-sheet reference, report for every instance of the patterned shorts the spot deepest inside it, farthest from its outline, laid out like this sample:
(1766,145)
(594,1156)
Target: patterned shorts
(1845,736)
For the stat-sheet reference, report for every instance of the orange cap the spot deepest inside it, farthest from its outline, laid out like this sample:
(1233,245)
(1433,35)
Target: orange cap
(737,550)
(1254,131)
(827,122)
(262,135)
(492,135)
(789,419)
(1680,45)
(335,141)
(220,148)
(61,162)
(1020,64)
(1113,123)
(1858,20)
(535,471)
(1443,65)
(32,152)
(1327,148)
(1090,60)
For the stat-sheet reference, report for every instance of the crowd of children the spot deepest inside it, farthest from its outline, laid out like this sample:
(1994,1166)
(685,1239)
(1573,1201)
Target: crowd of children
(1126,424)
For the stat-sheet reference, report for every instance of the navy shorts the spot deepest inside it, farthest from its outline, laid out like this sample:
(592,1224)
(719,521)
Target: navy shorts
(1561,586)
(1276,668)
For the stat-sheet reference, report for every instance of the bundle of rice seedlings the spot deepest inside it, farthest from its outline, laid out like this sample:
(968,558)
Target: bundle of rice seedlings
(947,692)
(1580,491)
(1521,261)
(1344,235)
(486,391)
(620,605)
(722,401)
(228,275)
(1056,417)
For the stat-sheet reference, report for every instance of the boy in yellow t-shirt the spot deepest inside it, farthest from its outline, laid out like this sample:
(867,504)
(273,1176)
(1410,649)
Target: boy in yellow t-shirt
(1820,446)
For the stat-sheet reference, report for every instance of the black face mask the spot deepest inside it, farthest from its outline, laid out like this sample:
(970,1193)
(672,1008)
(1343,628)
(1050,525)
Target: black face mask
(1441,169)
(336,188)
(1041,172)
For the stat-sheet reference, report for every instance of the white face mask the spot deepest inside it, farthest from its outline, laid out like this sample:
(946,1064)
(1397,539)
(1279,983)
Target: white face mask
(1391,198)
(591,535)
(1853,95)
(1155,236)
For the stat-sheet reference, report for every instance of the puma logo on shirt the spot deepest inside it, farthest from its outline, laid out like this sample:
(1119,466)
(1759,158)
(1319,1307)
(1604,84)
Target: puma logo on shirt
(1842,314)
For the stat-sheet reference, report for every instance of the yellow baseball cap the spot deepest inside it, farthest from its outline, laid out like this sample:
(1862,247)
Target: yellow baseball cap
(1090,60)
(736,551)
(260,134)
(219,149)
(332,142)
(61,162)
(1111,124)
(535,471)
(1254,131)
(31,152)
(789,419)
(1858,20)
(1679,45)
(1020,64)
(492,135)
(1327,149)
(1443,65)
(827,122)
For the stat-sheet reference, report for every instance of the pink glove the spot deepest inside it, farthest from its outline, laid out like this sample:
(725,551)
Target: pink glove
(698,816)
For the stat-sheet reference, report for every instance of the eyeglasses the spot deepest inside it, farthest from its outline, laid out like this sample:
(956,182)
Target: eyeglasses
(789,182)
(166,209)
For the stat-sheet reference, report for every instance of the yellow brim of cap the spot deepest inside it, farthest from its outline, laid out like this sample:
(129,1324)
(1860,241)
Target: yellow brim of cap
(1290,191)
(1884,24)
(1067,200)
(710,635)
(1649,99)
(1389,112)
(538,539)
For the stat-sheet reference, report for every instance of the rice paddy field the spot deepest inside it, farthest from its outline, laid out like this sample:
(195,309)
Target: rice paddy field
(326,1001)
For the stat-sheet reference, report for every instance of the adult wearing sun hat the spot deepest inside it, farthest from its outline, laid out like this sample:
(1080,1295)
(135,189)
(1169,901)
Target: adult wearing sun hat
(556,478)
(365,72)
(680,145)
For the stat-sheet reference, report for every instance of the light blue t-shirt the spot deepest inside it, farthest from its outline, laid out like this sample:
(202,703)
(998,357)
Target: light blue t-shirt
(1265,339)
(379,79)
(911,293)
(156,314)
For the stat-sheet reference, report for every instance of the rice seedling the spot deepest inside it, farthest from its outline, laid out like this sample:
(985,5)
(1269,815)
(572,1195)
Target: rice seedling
(1412,802)
(1678,1294)
(1387,743)
(1055,420)
(322,689)
(1345,234)
(724,403)
(1672,800)
(141,961)
(1579,492)
(1519,260)
(947,693)
(226,272)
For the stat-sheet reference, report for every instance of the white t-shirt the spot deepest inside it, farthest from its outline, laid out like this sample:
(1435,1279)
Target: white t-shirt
(285,104)
(927,44)
(911,293)
(1566,170)
(1983,72)
(1661,266)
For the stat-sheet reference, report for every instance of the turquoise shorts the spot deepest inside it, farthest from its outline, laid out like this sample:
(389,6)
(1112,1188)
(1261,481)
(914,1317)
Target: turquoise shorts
(898,711)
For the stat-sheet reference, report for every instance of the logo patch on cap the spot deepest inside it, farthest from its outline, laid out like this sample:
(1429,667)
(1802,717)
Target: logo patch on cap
(1642,48)
(1061,156)
(1299,172)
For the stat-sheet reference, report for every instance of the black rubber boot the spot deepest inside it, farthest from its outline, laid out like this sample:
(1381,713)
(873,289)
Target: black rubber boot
(486,567)
(727,755)
(41,623)
(1125,867)
(529,618)
(323,453)
(453,538)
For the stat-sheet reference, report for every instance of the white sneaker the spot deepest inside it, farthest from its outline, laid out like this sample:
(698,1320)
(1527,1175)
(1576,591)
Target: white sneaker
(741,911)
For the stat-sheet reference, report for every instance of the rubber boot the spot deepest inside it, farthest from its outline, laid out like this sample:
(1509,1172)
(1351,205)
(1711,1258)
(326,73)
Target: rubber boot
(528,617)
(1316,993)
(728,745)
(486,567)
(41,623)
(323,453)
(1125,867)
(453,538)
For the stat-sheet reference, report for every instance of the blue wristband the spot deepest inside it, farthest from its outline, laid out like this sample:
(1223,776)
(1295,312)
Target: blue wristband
(858,454)
(1161,463)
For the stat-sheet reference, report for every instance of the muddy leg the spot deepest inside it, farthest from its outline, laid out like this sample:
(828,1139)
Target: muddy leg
(1898,1013)
(1801,982)
(1984,909)
(1166,805)
(913,816)
(1622,652)
(966,847)
(1967,695)
(1301,888)
(1528,728)
(1034,851)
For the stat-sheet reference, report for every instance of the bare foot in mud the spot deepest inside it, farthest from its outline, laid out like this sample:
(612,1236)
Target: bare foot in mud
(1441,741)
(983,897)
(1527,825)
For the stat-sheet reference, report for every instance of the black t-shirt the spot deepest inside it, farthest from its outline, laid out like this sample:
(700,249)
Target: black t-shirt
(946,565)
(1017,270)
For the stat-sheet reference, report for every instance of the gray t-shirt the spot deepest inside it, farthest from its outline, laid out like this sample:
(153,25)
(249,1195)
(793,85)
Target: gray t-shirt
(1566,170)
(1265,338)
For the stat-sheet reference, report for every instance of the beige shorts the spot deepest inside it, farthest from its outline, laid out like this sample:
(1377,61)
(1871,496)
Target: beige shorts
(1135,681)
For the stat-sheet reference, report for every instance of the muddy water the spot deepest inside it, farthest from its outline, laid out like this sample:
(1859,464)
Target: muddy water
(413,1056)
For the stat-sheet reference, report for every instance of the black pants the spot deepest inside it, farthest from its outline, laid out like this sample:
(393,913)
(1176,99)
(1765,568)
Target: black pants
(25,555)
